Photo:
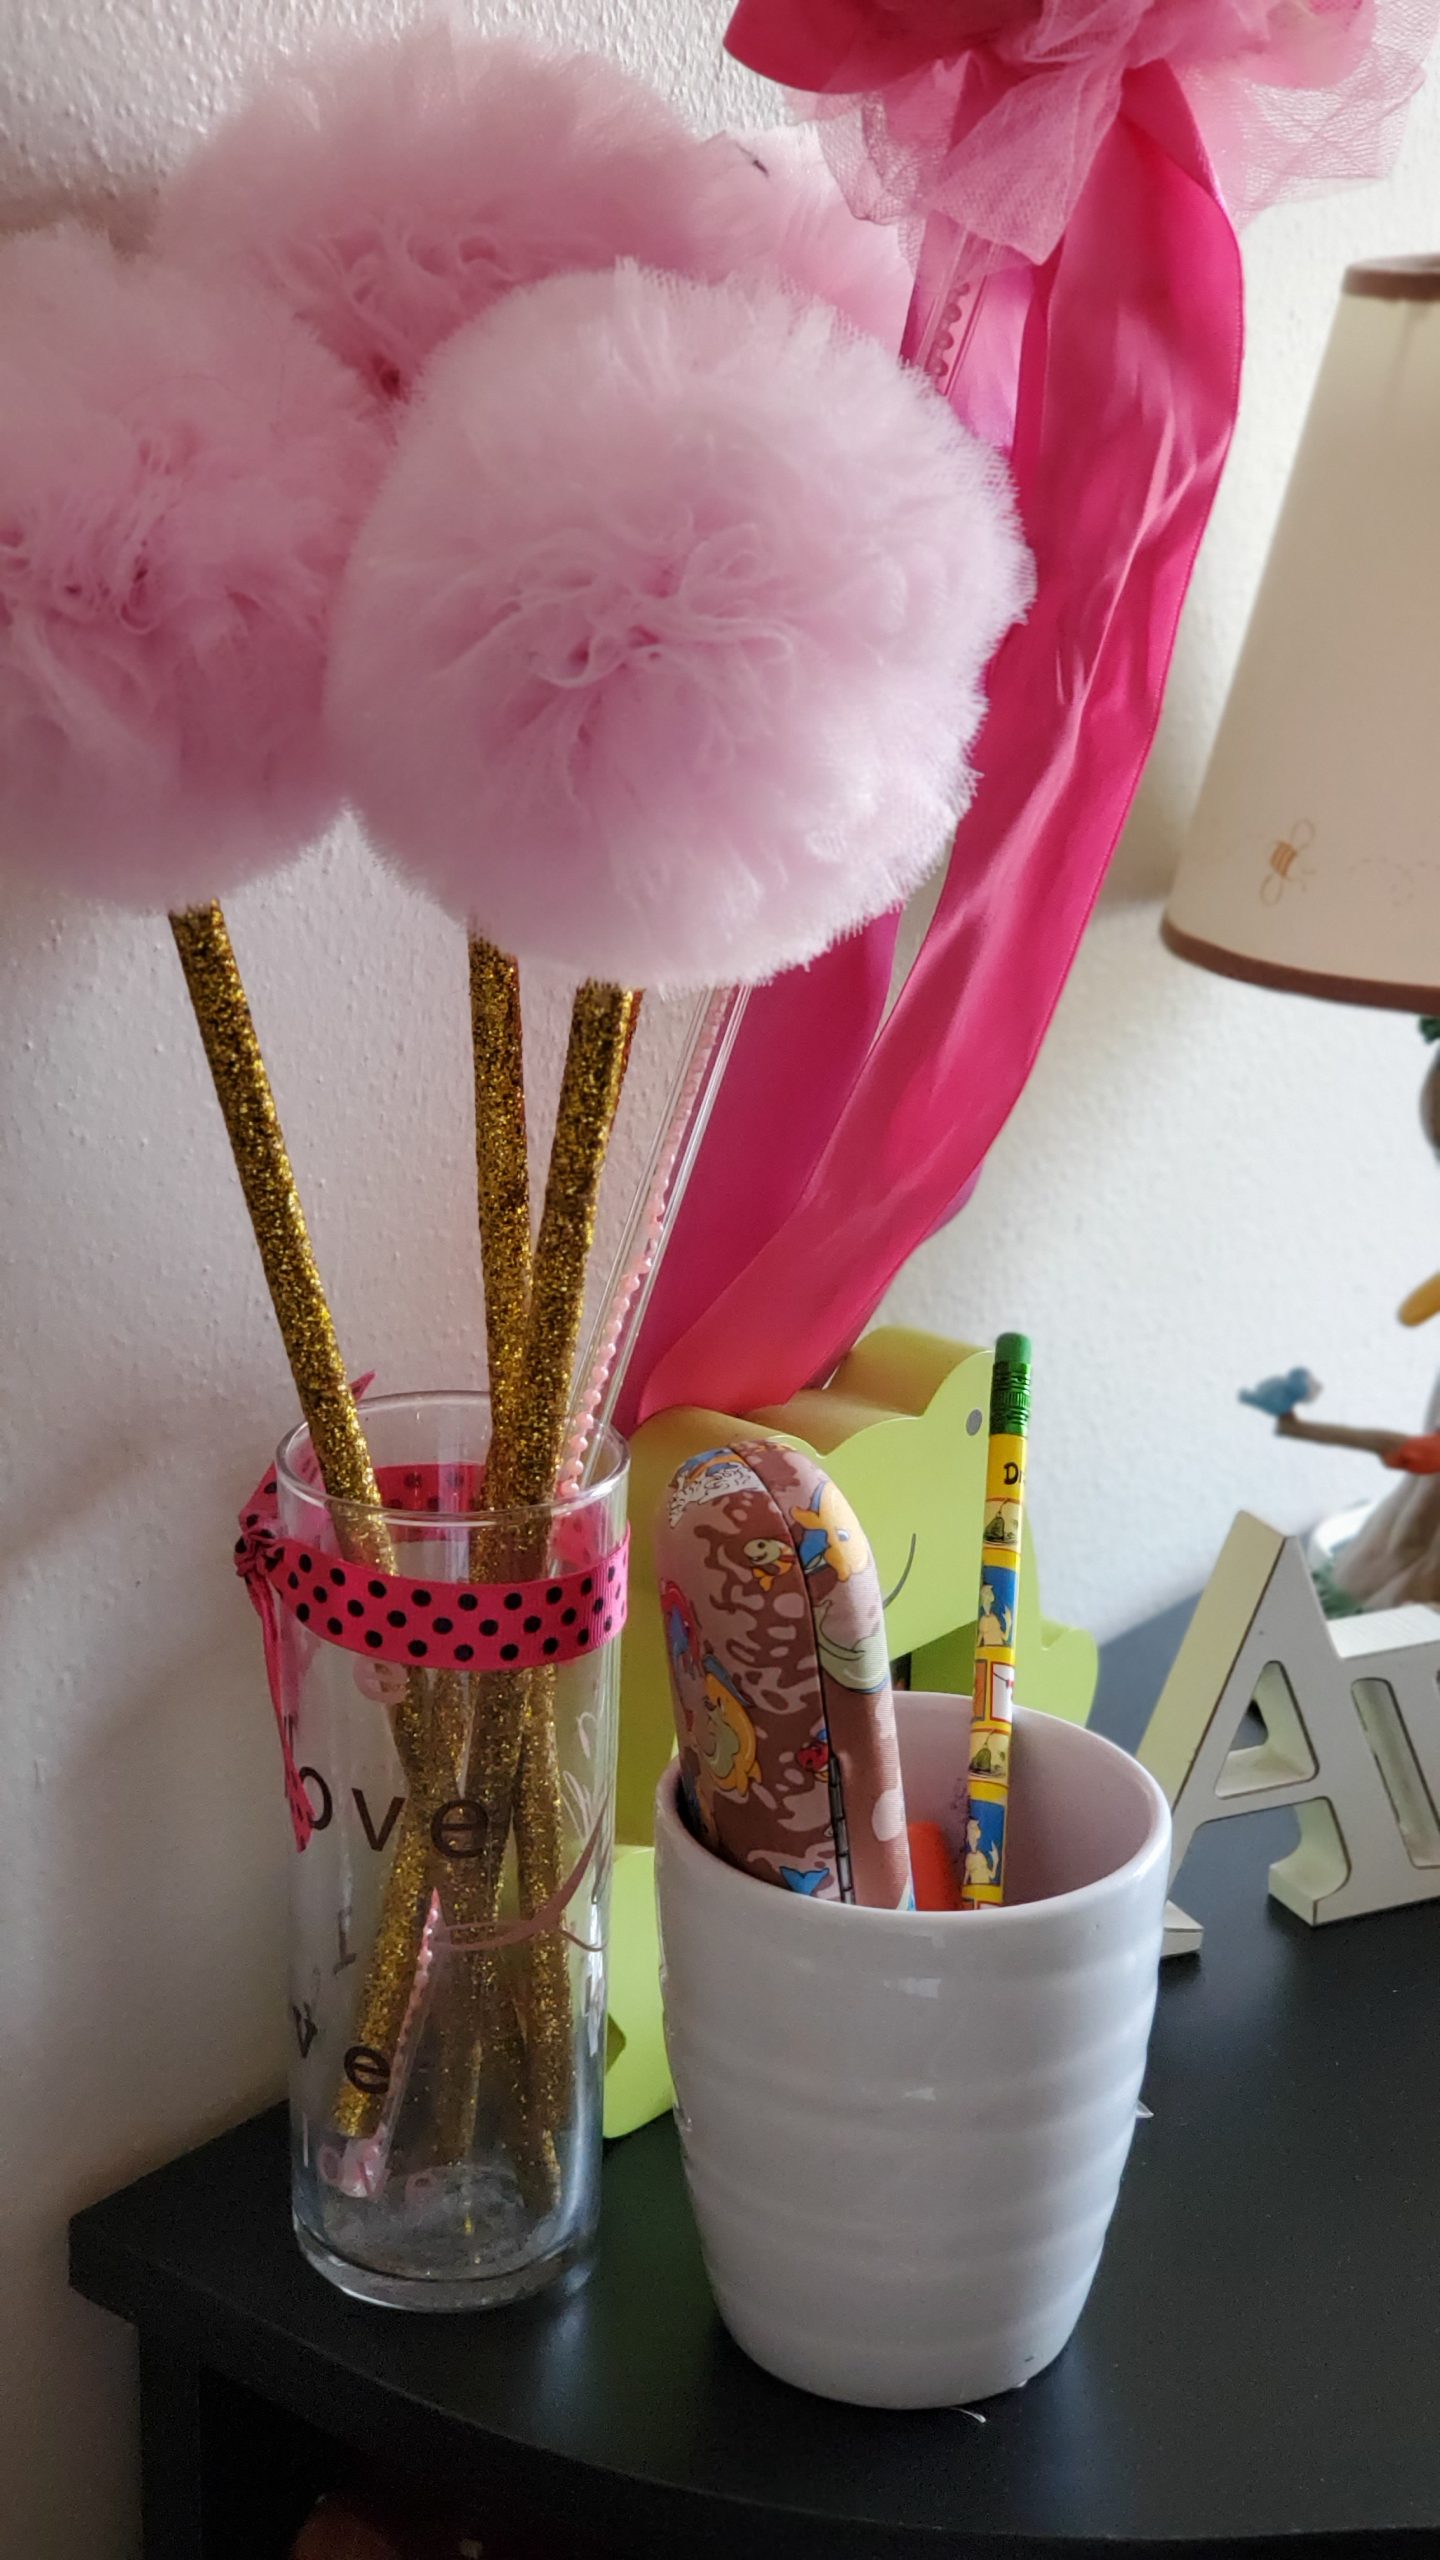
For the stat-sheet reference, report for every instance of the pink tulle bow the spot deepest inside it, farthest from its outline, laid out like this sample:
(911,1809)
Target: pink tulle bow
(991,112)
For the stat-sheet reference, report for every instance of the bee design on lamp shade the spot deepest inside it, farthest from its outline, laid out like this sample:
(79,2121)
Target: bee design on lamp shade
(1285,866)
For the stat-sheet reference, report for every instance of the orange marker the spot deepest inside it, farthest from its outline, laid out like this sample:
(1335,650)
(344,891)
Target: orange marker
(937,1886)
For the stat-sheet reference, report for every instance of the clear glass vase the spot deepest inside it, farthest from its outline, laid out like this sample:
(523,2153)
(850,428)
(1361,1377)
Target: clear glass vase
(446,1686)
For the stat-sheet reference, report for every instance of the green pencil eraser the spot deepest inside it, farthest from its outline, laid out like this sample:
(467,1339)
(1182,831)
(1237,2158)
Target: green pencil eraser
(1014,1349)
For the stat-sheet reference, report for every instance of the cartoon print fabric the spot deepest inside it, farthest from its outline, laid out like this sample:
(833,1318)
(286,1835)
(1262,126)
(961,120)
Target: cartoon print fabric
(775,1630)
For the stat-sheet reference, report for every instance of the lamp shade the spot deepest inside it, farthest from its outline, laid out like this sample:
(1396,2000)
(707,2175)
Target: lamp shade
(1314,859)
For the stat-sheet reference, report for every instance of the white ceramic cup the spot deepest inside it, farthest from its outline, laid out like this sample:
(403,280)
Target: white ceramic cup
(904,2131)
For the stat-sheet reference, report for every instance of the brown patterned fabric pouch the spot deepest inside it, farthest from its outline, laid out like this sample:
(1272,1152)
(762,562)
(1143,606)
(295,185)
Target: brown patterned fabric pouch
(775,1629)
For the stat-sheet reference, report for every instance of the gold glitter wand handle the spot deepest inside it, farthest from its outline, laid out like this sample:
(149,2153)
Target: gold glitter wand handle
(601,1024)
(525,1461)
(267,1178)
(502,1173)
(513,1765)
(475,2037)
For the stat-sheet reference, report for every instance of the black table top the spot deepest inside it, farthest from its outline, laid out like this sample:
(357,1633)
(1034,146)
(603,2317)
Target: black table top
(1257,2367)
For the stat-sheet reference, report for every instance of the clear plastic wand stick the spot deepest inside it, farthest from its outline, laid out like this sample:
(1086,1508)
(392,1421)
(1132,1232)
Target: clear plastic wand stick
(622,1308)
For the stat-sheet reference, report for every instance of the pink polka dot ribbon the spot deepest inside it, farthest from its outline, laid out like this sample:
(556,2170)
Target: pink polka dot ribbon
(420,1622)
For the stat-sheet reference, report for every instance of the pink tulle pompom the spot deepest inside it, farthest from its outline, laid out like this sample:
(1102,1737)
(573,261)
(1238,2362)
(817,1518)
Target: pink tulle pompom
(392,191)
(181,475)
(660,655)
(808,235)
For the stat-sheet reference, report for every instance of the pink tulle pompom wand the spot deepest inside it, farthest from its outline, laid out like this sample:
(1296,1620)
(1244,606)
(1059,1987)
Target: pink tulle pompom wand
(667,686)
(672,685)
(183,472)
(390,192)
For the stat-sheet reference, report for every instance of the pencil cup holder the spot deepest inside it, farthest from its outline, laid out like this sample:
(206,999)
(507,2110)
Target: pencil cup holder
(904,2132)
(445,1681)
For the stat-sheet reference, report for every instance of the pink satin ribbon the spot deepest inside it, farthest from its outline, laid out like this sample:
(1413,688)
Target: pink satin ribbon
(1124,402)
(798,1054)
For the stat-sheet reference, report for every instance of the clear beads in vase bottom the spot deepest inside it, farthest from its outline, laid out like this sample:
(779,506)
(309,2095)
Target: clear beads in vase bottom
(447,1685)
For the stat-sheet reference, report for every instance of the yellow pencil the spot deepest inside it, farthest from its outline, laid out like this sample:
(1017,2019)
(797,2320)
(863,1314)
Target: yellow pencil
(993,1688)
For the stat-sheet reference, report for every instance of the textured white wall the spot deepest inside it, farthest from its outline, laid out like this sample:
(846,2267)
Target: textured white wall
(1200,1184)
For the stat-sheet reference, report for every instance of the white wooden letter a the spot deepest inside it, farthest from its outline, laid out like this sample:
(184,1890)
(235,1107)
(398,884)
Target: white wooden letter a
(1351,1709)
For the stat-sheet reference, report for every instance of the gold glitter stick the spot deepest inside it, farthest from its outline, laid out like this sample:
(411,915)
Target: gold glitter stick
(524,1465)
(601,1022)
(478,2028)
(516,1744)
(327,1402)
(479,2037)
(502,1172)
(297,1293)
(262,1161)
(477,2043)
(539,1859)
